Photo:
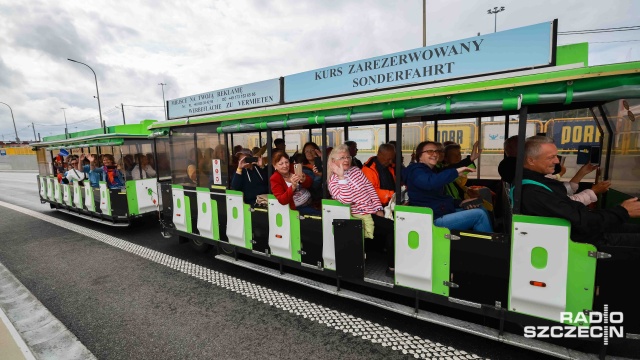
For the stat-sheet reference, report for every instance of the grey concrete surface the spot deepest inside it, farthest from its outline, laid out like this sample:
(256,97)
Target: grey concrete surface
(18,162)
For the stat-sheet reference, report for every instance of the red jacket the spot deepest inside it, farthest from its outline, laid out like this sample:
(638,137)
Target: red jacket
(284,193)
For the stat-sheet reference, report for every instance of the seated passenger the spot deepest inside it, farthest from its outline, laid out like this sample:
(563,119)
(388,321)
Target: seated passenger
(195,160)
(128,165)
(291,189)
(312,162)
(458,188)
(279,144)
(348,185)
(353,151)
(426,188)
(380,171)
(507,171)
(143,169)
(250,178)
(108,172)
(75,172)
(93,177)
(548,197)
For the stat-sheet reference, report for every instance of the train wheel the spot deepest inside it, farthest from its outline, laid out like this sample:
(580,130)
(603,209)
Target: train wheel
(200,246)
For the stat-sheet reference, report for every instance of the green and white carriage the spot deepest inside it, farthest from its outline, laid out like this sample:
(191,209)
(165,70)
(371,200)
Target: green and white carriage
(491,284)
(98,202)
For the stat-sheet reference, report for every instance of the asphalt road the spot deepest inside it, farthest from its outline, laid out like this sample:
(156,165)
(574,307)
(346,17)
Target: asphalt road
(151,298)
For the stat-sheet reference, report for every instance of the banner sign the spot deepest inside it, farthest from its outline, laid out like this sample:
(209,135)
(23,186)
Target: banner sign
(258,94)
(522,48)
(462,134)
(493,134)
(569,134)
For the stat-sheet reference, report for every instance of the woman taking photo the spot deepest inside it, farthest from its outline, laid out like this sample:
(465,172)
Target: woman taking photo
(312,162)
(250,177)
(290,188)
(348,185)
(426,185)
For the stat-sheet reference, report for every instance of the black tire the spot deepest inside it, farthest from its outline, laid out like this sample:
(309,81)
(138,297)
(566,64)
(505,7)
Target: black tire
(200,246)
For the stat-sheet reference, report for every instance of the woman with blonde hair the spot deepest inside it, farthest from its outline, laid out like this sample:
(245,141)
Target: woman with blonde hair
(348,185)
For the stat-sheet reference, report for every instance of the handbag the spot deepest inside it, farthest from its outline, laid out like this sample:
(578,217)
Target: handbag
(262,200)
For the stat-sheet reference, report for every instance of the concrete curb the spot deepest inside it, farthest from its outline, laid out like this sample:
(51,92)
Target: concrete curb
(44,335)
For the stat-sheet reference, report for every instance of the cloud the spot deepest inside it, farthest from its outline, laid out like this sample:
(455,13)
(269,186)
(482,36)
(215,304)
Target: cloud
(204,45)
(9,77)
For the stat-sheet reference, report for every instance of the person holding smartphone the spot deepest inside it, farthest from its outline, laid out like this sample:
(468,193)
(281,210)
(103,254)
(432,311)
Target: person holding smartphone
(289,188)
(250,176)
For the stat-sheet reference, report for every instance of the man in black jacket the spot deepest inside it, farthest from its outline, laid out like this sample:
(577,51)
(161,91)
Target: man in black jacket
(548,197)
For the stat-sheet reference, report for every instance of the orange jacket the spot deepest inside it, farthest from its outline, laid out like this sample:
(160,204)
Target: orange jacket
(370,171)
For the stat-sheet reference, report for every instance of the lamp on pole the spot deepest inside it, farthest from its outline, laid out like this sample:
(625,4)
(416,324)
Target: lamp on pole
(164,102)
(424,23)
(97,92)
(66,129)
(14,121)
(495,12)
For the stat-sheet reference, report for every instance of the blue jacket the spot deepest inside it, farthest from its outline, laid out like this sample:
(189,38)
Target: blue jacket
(102,174)
(426,188)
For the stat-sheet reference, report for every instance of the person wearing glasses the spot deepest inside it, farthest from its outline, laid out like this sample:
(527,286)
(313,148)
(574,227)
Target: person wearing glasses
(349,185)
(426,184)
(74,173)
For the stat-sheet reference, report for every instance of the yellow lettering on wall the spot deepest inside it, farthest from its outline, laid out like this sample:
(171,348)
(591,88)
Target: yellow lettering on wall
(566,135)
(577,134)
(588,133)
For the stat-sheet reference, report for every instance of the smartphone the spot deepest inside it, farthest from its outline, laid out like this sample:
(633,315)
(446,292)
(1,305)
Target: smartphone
(594,155)
(250,159)
(297,169)
(318,163)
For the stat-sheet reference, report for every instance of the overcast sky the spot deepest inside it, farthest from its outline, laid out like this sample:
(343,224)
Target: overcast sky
(197,46)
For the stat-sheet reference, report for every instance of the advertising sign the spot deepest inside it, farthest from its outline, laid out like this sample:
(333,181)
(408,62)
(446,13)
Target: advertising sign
(493,134)
(522,48)
(569,134)
(462,134)
(258,94)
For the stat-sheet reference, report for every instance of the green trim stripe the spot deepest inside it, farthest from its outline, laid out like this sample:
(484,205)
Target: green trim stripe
(248,232)
(132,197)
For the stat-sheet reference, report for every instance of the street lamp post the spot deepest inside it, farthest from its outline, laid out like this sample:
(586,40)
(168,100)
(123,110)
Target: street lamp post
(66,129)
(97,93)
(164,102)
(14,121)
(495,12)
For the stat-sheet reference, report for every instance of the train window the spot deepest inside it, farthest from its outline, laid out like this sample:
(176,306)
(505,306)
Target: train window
(106,150)
(163,165)
(213,166)
(625,157)
(132,153)
(367,138)
(184,158)
(43,162)
(571,131)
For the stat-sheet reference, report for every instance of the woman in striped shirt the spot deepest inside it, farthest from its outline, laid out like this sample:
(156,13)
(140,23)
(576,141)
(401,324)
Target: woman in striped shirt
(348,185)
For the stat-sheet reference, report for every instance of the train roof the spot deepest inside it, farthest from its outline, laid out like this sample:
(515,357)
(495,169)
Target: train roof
(571,83)
(111,135)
